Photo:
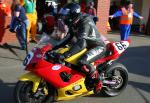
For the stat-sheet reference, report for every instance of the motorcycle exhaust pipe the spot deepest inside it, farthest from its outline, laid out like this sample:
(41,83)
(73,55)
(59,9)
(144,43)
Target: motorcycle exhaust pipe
(109,82)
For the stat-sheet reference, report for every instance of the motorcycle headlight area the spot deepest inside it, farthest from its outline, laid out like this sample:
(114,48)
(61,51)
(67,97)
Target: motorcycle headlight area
(77,87)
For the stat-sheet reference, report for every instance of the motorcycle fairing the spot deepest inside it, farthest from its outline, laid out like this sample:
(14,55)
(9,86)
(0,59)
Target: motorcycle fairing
(116,48)
(73,59)
(63,95)
(51,73)
(33,78)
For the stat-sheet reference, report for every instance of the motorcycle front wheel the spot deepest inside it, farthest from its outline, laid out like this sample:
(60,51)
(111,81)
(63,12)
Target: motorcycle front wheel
(23,94)
(118,74)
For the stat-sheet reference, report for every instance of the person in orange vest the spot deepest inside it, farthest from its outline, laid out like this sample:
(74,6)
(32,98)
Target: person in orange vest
(126,19)
(4,11)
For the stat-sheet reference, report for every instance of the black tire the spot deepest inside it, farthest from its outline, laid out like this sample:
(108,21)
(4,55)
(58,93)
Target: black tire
(111,72)
(23,94)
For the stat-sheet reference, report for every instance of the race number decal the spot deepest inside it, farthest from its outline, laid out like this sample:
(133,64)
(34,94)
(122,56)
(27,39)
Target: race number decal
(121,46)
(28,59)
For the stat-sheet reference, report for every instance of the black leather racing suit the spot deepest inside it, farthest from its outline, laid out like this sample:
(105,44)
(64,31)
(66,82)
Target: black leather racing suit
(87,36)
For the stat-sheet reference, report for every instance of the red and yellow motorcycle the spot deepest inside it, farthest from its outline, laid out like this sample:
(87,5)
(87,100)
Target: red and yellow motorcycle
(49,79)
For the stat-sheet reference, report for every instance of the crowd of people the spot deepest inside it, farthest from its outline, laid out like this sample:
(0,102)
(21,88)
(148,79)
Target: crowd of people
(25,15)
(23,20)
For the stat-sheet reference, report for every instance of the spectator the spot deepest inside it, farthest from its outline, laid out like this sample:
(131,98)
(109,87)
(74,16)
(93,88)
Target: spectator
(60,30)
(19,23)
(92,11)
(126,18)
(30,8)
(49,7)
(4,11)
(48,23)
(55,28)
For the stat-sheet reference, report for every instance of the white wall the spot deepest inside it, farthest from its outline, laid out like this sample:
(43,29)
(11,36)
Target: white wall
(145,9)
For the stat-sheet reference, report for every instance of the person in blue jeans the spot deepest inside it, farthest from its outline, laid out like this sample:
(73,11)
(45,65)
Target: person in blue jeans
(19,23)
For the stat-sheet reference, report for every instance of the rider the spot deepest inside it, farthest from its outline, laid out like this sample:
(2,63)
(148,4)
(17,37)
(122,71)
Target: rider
(82,27)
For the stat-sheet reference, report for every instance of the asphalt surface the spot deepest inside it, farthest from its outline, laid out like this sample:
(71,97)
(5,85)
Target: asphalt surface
(136,59)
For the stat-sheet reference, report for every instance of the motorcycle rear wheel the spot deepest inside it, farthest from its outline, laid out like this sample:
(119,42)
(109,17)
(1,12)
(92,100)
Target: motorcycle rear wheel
(23,94)
(119,73)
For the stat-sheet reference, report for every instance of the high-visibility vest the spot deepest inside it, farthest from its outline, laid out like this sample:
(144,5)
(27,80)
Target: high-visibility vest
(126,18)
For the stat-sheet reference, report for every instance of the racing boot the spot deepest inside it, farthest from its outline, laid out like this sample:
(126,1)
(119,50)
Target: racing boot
(98,85)
(93,73)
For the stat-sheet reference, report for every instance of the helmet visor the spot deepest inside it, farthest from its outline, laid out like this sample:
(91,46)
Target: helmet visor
(64,12)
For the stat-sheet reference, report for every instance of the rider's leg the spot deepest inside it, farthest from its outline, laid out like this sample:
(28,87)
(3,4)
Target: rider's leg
(86,61)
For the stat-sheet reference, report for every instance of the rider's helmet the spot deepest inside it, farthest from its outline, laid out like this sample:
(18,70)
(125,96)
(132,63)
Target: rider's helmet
(70,12)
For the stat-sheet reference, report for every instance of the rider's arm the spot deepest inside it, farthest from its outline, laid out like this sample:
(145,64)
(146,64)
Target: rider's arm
(81,40)
(64,41)
(80,45)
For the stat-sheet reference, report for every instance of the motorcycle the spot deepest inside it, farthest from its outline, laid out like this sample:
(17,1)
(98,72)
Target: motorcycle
(49,79)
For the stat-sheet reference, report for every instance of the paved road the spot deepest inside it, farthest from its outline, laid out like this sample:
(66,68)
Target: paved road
(136,59)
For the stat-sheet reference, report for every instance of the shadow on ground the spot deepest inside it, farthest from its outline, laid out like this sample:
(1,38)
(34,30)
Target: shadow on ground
(12,49)
(142,86)
(137,60)
(6,92)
